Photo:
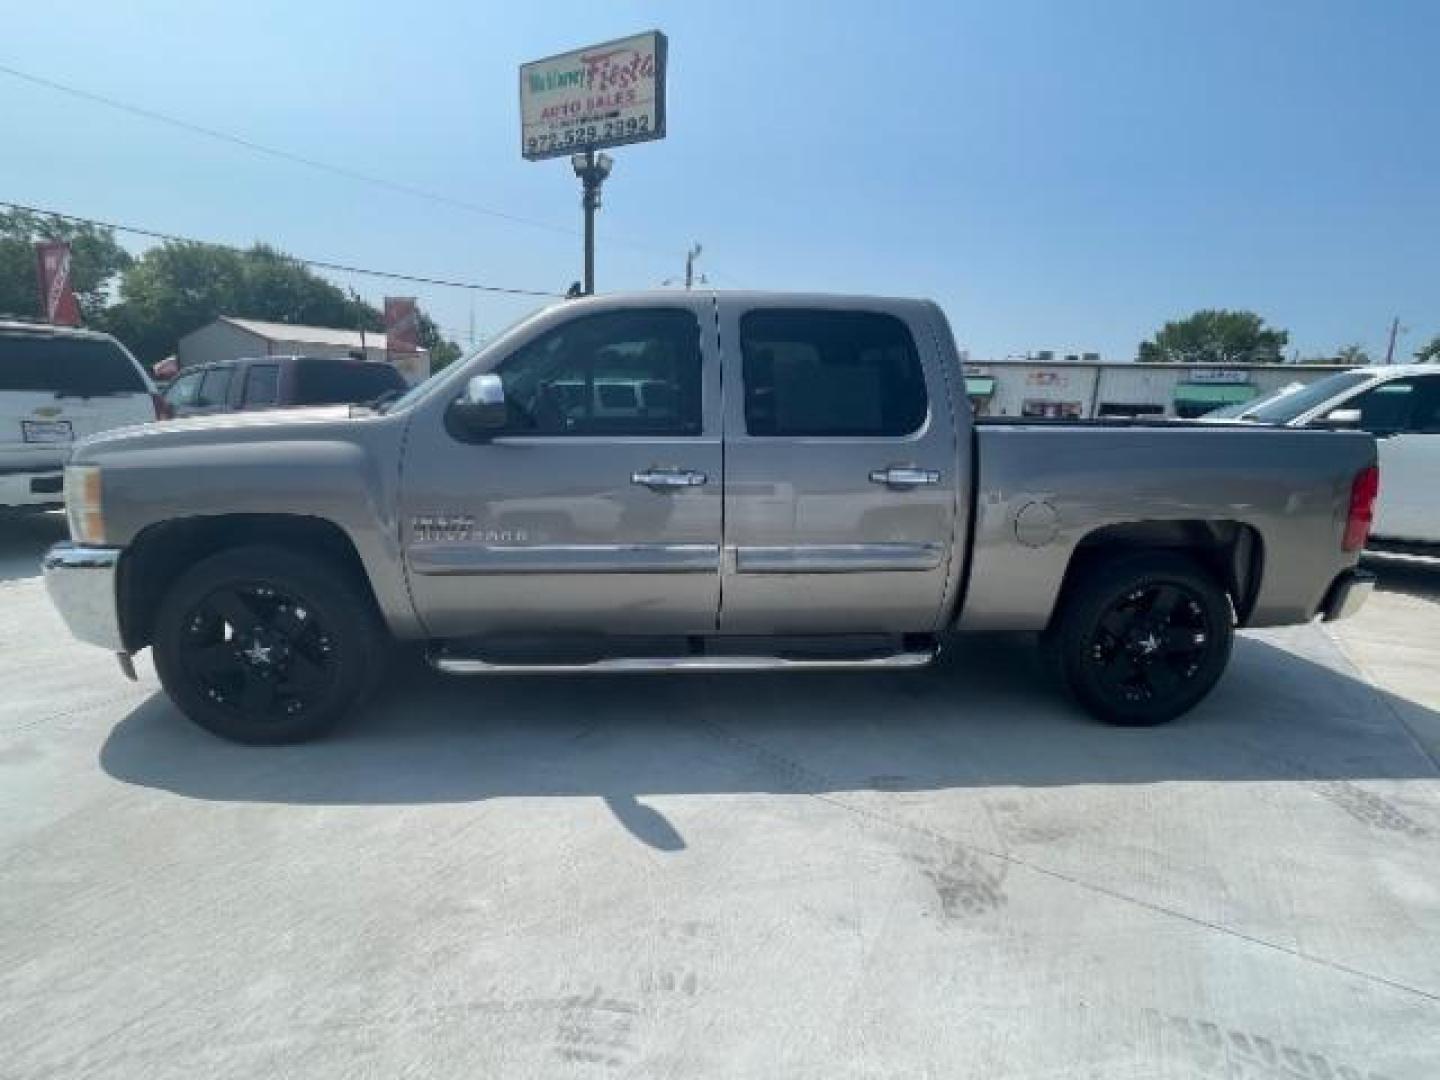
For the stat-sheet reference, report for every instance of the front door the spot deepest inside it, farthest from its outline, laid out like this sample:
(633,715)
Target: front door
(841,470)
(596,510)
(1404,416)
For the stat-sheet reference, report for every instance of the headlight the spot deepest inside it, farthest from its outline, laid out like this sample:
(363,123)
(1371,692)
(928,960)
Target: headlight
(83,504)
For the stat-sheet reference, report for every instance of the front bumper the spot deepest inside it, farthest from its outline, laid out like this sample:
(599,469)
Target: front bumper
(81,582)
(1347,594)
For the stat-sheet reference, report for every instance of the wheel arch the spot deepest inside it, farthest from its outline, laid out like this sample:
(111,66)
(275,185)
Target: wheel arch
(1232,552)
(163,551)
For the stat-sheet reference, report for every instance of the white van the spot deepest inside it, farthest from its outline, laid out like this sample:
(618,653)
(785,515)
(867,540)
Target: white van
(59,384)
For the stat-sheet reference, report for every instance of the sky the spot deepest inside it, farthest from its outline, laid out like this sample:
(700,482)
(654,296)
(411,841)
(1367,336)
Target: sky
(1065,175)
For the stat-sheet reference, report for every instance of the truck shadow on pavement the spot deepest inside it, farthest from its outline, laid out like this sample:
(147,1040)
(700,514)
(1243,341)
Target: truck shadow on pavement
(985,716)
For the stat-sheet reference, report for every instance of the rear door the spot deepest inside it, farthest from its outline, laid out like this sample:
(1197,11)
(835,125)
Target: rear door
(597,509)
(841,469)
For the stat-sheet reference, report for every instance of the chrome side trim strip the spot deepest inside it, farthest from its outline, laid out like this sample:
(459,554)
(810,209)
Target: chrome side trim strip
(837,558)
(466,665)
(450,558)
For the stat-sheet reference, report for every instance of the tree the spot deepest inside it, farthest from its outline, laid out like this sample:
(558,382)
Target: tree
(95,259)
(443,353)
(1429,353)
(1216,337)
(1353,355)
(176,288)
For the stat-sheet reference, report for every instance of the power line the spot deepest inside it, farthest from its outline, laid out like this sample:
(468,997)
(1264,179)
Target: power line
(318,264)
(301,159)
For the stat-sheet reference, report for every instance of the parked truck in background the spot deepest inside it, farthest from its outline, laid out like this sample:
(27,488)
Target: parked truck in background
(59,384)
(696,482)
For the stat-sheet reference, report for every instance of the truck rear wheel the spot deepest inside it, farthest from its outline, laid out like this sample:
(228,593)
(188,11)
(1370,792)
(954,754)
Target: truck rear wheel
(1143,638)
(265,645)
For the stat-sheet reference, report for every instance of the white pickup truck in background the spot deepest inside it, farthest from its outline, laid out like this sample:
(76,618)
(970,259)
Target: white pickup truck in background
(1400,406)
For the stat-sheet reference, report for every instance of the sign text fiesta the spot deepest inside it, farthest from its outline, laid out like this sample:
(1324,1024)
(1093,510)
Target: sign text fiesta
(609,78)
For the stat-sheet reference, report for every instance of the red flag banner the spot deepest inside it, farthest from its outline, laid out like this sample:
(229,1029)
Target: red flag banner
(402,326)
(57,298)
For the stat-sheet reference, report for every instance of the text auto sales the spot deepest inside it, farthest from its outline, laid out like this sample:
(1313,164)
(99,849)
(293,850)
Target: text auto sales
(597,103)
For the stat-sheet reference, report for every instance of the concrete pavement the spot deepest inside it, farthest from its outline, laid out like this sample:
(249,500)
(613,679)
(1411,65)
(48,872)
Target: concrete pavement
(948,873)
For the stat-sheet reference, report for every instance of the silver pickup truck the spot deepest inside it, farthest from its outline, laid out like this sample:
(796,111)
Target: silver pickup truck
(696,482)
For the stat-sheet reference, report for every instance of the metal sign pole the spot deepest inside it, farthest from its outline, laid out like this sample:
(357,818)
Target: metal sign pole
(591,201)
(592,169)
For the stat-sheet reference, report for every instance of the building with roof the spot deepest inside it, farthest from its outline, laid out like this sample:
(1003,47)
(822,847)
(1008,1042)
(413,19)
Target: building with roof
(229,338)
(1042,386)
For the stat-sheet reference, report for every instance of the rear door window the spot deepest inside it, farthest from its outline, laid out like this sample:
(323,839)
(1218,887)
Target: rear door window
(70,367)
(343,382)
(830,373)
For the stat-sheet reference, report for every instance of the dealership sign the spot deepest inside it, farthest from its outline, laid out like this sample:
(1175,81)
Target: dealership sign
(1217,375)
(606,95)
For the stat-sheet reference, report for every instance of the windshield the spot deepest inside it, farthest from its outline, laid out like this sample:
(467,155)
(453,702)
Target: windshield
(420,389)
(1287,407)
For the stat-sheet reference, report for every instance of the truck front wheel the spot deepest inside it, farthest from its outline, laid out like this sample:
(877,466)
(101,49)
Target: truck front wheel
(1143,638)
(265,645)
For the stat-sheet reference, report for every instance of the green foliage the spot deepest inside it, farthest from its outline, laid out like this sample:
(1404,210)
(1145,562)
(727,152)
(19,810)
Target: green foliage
(443,353)
(1353,355)
(1216,337)
(1430,352)
(177,288)
(95,258)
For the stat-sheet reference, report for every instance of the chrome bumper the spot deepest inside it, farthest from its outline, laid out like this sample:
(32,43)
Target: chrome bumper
(81,583)
(1347,594)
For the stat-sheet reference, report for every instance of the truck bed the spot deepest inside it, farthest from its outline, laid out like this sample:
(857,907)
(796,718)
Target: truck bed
(1275,499)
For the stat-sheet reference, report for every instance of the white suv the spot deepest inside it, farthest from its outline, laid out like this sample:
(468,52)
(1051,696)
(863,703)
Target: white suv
(59,384)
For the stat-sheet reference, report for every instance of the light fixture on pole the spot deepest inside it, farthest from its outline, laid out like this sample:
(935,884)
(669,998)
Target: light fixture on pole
(592,169)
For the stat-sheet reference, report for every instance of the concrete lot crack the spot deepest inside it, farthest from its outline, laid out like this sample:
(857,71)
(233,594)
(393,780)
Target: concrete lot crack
(805,781)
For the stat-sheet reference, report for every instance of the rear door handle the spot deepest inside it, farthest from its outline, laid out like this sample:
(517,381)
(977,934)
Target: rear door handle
(668,478)
(905,476)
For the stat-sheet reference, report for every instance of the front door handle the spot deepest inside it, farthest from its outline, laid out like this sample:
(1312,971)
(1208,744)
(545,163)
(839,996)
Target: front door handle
(668,478)
(905,476)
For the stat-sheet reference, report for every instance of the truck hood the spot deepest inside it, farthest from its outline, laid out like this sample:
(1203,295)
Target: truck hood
(225,427)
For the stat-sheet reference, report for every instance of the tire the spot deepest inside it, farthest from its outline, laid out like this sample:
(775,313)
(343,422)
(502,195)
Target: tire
(1143,638)
(265,645)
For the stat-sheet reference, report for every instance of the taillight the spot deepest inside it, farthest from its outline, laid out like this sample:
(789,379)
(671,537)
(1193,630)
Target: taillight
(1362,508)
(163,411)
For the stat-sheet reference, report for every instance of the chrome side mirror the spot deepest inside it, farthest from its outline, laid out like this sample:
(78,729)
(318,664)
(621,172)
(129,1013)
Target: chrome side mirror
(1341,418)
(480,411)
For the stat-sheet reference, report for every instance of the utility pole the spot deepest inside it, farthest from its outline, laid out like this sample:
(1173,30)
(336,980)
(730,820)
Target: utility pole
(690,257)
(1390,349)
(592,169)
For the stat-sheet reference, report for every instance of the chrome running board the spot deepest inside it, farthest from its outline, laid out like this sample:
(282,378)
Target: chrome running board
(469,665)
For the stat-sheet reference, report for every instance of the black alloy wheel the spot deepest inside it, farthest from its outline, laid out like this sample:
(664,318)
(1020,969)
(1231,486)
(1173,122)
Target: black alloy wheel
(267,645)
(1142,638)
(1150,642)
(259,652)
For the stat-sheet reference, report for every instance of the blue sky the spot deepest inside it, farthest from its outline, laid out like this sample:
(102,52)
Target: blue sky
(1057,175)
